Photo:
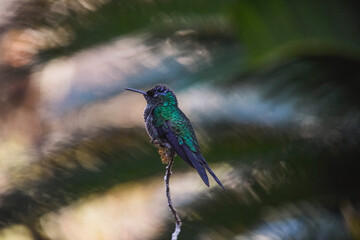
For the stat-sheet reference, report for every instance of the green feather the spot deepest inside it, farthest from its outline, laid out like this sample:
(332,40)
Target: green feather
(179,123)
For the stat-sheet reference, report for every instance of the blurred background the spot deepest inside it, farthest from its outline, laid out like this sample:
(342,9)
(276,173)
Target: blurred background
(272,88)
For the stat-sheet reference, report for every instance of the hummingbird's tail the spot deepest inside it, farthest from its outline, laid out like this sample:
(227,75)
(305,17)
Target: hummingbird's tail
(199,163)
(194,159)
(214,176)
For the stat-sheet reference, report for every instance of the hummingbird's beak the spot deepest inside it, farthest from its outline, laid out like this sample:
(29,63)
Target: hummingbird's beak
(135,90)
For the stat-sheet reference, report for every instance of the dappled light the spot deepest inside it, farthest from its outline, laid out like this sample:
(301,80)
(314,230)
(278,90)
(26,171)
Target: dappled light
(270,87)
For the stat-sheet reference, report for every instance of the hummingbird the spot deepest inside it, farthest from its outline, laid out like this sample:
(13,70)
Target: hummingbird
(171,131)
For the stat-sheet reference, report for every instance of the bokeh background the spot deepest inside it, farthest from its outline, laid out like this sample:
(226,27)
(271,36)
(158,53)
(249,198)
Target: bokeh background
(272,88)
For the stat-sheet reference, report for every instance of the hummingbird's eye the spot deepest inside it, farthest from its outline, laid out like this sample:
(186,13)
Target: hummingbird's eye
(156,95)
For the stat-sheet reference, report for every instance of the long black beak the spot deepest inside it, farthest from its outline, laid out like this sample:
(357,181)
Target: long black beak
(135,90)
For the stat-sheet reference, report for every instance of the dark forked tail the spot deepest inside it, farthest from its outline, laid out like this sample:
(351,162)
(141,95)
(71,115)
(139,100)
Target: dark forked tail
(200,164)
(213,175)
(194,159)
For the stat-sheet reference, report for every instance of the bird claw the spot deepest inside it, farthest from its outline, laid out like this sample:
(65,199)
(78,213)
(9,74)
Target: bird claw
(154,141)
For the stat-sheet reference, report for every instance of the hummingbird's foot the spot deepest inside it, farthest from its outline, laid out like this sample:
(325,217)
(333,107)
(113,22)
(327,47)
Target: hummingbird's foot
(165,154)
(155,141)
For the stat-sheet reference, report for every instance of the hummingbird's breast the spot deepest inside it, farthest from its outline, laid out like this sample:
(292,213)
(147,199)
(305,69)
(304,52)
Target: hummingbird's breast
(148,118)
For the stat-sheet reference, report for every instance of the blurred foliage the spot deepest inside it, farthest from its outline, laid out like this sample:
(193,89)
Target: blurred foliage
(273,30)
(294,177)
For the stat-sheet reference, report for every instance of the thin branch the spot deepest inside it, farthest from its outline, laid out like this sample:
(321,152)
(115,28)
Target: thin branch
(168,172)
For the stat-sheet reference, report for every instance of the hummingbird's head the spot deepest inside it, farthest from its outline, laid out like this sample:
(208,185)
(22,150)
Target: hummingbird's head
(161,95)
(158,95)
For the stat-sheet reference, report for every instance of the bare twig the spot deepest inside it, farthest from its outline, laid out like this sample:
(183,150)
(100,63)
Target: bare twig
(168,172)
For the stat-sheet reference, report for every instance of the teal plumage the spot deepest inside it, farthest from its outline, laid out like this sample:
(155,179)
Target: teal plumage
(179,124)
(171,131)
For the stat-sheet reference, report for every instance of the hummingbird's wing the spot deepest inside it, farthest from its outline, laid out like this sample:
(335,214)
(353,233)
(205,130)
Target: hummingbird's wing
(182,150)
(179,134)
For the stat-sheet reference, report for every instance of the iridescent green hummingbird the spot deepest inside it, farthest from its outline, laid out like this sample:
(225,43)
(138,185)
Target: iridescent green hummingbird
(171,131)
